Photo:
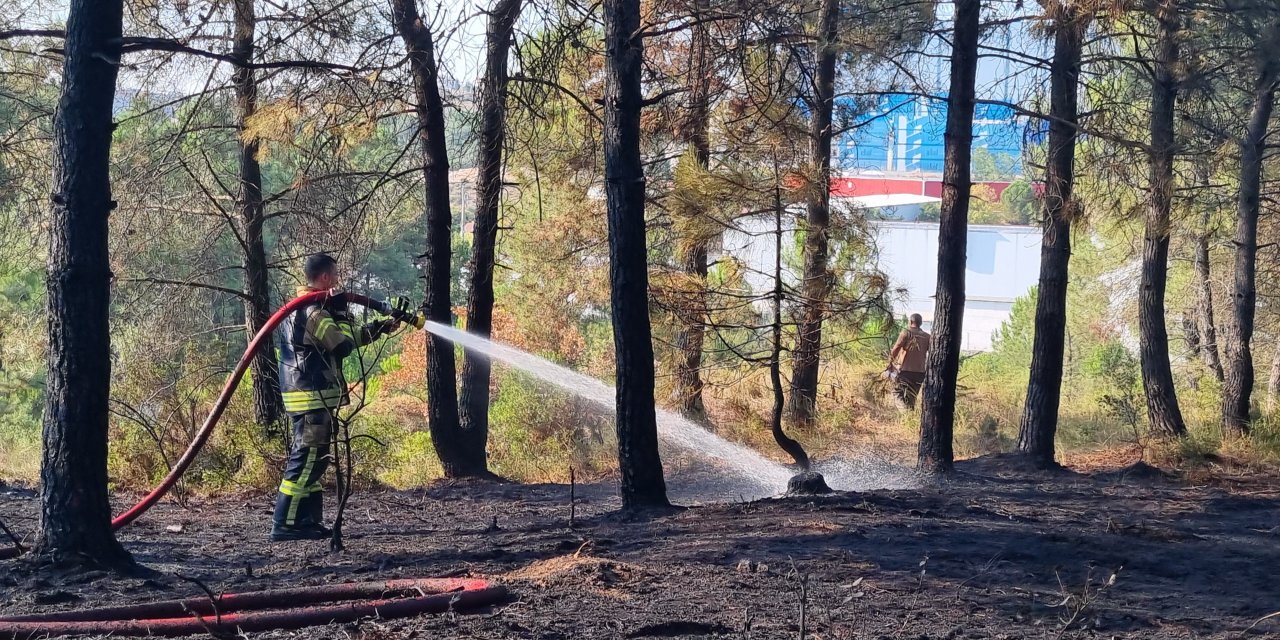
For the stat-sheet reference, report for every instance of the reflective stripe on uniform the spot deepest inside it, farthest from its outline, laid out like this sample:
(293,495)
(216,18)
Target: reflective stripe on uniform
(325,324)
(303,401)
(349,331)
(291,488)
(292,517)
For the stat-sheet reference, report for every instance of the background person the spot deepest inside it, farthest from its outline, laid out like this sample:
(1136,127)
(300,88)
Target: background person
(913,346)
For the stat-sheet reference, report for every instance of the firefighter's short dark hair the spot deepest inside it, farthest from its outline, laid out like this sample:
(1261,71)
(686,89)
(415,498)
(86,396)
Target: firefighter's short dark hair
(916,320)
(318,264)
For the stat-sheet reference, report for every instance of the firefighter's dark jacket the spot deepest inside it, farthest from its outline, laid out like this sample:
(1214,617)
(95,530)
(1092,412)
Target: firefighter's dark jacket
(313,342)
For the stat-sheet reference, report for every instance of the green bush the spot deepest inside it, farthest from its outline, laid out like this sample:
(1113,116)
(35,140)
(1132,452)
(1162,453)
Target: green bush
(537,433)
(411,461)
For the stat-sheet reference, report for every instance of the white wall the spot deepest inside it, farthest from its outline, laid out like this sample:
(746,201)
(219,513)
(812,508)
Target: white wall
(1003,264)
(753,242)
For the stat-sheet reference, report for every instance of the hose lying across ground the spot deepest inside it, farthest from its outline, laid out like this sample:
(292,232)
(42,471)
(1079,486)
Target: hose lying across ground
(215,615)
(221,614)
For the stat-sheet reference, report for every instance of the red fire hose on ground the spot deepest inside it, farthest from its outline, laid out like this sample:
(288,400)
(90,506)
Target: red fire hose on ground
(342,612)
(223,614)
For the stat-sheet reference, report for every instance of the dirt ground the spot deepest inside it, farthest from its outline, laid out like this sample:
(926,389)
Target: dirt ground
(990,554)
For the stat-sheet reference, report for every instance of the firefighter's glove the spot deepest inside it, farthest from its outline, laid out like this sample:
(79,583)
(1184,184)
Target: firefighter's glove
(388,326)
(402,305)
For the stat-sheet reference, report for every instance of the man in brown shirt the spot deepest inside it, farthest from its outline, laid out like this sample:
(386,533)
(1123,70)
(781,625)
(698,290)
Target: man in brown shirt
(913,345)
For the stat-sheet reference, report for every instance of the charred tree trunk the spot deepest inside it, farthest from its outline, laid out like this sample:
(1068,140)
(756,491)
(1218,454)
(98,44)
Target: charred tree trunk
(75,513)
(938,404)
(1044,388)
(1239,380)
(1206,332)
(1192,331)
(784,441)
(690,338)
(267,407)
(1153,337)
(817,276)
(474,401)
(639,465)
(442,394)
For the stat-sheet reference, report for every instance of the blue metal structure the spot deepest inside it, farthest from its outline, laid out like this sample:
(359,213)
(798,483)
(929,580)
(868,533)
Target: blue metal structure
(903,133)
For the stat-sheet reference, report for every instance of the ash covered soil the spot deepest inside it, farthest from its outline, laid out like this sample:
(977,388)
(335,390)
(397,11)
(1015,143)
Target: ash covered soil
(992,553)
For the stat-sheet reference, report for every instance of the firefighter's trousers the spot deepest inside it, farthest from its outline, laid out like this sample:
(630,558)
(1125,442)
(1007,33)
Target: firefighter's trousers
(301,500)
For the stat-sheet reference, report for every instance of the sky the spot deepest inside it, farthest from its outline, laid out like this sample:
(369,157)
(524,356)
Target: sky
(460,22)
(460,28)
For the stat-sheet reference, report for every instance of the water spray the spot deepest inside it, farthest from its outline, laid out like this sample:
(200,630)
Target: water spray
(770,477)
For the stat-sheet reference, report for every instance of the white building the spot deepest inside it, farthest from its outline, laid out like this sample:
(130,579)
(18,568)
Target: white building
(1003,264)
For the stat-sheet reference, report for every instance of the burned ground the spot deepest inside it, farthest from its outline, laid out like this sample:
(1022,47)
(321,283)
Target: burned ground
(990,554)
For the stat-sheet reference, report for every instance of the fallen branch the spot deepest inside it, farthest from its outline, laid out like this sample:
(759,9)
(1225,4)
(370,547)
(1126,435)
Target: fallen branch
(1260,621)
(16,542)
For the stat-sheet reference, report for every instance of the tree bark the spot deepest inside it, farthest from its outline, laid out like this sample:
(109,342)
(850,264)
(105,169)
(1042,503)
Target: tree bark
(1044,387)
(1238,385)
(1206,331)
(640,466)
(442,394)
(938,404)
(75,513)
(690,337)
(817,274)
(474,400)
(1192,331)
(267,406)
(1273,383)
(1157,374)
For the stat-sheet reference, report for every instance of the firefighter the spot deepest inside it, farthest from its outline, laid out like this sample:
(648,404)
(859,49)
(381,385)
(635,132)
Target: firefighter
(314,340)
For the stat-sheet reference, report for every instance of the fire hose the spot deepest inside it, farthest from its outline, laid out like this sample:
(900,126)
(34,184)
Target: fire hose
(221,614)
(228,390)
(233,381)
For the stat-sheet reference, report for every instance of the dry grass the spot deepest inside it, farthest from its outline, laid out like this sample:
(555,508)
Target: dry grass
(577,569)
(19,460)
(1088,461)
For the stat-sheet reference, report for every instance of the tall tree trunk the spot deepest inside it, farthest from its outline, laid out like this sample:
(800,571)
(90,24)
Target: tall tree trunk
(75,513)
(692,335)
(1244,295)
(689,339)
(267,407)
(788,444)
(1192,331)
(1273,383)
(1207,332)
(938,404)
(474,400)
(1044,387)
(817,276)
(442,393)
(1153,337)
(639,464)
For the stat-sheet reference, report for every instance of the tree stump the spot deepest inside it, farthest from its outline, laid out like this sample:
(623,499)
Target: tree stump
(809,483)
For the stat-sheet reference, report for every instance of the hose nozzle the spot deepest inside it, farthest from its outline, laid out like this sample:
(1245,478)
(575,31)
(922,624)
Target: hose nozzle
(401,309)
